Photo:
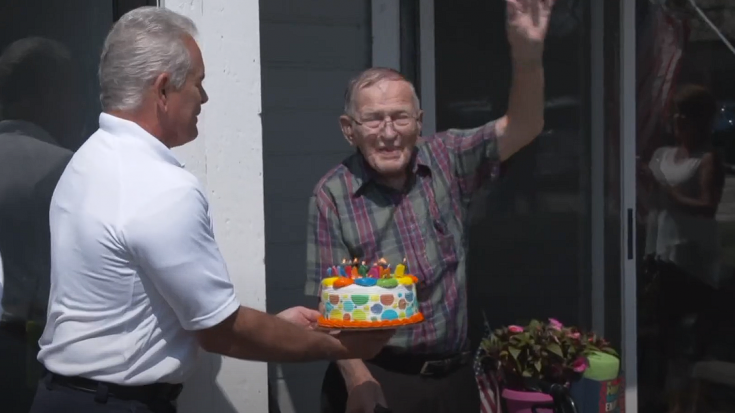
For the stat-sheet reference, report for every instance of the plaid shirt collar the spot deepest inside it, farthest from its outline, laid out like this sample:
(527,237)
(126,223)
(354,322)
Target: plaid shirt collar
(362,174)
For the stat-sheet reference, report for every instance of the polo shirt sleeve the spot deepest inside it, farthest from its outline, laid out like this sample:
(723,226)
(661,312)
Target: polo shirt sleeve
(172,241)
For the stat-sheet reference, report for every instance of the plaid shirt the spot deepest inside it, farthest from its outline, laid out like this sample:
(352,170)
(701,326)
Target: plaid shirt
(351,216)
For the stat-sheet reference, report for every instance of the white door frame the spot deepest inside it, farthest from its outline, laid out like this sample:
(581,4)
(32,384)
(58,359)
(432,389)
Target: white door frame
(628,200)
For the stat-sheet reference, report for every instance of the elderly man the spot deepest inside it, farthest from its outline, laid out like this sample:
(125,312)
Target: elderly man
(138,284)
(402,197)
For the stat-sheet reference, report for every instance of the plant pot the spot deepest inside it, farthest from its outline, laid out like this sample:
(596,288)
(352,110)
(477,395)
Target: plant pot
(525,401)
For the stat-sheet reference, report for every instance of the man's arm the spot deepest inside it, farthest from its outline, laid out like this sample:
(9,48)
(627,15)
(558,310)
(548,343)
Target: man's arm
(171,240)
(524,119)
(479,152)
(527,24)
(253,335)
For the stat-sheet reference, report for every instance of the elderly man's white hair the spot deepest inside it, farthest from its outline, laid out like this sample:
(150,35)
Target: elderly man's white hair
(143,44)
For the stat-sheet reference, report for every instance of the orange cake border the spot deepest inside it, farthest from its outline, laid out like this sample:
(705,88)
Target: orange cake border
(324,322)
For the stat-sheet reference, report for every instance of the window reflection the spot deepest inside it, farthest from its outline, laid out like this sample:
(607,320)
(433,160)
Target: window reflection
(686,204)
(49,54)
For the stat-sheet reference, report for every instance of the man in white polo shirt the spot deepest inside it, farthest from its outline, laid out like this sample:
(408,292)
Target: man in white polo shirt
(138,284)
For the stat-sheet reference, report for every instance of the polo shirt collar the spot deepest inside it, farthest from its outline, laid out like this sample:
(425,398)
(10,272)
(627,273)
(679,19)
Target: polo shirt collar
(131,130)
(26,128)
(363,174)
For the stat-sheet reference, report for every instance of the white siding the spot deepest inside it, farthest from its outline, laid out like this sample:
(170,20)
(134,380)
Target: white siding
(228,159)
(309,50)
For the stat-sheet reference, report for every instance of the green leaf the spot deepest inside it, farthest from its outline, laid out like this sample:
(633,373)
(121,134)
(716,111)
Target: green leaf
(554,348)
(610,350)
(527,373)
(514,351)
(537,364)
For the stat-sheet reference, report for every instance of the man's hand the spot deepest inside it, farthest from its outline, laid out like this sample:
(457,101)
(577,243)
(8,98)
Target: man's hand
(305,317)
(528,22)
(364,397)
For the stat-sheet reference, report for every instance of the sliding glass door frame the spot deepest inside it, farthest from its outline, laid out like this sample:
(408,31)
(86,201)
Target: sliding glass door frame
(628,201)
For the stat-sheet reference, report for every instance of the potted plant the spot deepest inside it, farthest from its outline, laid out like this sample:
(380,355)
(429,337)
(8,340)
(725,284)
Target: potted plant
(533,361)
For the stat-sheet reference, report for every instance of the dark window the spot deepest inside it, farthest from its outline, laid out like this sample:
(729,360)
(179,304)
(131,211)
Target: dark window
(120,7)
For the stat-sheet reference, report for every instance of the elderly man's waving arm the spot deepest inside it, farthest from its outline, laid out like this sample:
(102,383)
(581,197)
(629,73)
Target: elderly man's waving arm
(524,120)
(478,152)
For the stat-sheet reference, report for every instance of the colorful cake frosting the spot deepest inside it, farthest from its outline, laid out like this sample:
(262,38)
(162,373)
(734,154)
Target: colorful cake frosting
(359,296)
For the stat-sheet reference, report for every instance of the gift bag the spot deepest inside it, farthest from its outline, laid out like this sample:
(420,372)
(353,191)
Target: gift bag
(605,396)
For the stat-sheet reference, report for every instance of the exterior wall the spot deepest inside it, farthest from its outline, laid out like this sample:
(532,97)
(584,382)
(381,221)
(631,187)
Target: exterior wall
(227,158)
(309,51)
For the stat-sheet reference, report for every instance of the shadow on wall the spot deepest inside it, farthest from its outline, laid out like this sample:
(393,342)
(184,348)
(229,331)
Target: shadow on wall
(193,399)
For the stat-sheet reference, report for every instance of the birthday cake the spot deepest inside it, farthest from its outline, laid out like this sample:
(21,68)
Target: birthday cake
(359,296)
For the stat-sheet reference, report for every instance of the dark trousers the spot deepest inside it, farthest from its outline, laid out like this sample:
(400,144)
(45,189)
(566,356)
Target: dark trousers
(19,372)
(56,398)
(455,392)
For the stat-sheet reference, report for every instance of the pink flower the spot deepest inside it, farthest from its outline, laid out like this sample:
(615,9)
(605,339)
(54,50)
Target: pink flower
(575,335)
(515,329)
(555,324)
(580,365)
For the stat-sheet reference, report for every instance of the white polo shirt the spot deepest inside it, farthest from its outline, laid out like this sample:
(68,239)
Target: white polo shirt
(134,264)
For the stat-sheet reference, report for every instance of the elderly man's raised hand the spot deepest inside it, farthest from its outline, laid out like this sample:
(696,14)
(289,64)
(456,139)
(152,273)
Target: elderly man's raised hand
(528,23)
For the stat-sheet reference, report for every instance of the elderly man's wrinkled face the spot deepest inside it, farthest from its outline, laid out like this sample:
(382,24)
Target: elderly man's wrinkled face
(384,126)
(185,104)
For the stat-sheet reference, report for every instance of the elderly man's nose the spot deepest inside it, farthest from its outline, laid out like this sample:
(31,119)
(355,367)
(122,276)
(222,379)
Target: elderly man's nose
(389,130)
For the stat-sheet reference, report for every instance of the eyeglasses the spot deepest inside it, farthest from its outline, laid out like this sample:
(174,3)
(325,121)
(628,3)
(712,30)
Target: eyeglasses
(400,121)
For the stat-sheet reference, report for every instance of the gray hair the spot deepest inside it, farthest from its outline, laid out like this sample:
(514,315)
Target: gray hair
(143,44)
(369,78)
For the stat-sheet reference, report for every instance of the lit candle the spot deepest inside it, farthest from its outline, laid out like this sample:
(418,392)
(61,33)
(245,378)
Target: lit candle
(400,270)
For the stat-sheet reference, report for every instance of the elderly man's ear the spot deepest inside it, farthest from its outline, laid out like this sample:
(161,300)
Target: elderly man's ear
(347,126)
